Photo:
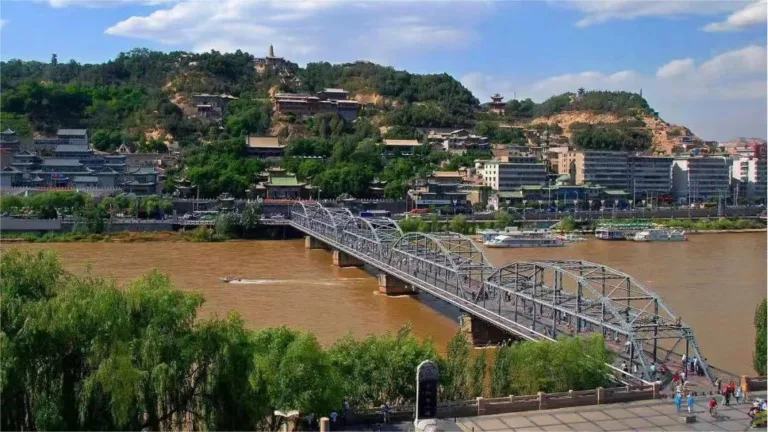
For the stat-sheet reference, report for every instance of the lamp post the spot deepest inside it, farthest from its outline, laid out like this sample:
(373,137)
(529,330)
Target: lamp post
(524,202)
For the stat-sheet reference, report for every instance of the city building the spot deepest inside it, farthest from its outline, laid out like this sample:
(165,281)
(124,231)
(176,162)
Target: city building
(403,147)
(334,94)
(604,168)
(700,178)
(514,172)
(457,141)
(444,195)
(63,137)
(560,196)
(268,148)
(749,178)
(9,142)
(497,106)
(650,176)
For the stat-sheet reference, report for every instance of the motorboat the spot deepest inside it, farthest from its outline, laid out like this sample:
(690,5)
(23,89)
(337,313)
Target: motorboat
(660,234)
(229,279)
(609,234)
(572,238)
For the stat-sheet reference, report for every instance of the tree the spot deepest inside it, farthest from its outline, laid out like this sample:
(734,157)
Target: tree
(462,374)
(761,322)
(503,219)
(226,225)
(567,224)
(459,224)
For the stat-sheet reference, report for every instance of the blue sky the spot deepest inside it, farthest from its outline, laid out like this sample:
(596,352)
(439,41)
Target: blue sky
(699,63)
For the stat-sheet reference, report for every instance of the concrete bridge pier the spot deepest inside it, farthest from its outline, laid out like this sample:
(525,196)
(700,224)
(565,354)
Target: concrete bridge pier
(342,259)
(481,333)
(313,243)
(391,285)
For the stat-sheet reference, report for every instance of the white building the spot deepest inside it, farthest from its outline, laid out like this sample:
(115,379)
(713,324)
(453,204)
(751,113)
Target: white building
(517,171)
(700,178)
(749,177)
(604,168)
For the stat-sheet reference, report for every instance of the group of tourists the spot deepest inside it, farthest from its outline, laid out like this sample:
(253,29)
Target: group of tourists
(692,365)
(729,391)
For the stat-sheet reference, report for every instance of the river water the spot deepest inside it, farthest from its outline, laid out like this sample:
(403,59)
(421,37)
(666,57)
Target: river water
(713,281)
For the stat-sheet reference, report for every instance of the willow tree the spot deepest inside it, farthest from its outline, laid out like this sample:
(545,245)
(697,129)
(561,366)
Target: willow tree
(759,356)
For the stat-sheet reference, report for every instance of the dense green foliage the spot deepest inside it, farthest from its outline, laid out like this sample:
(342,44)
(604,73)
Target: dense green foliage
(80,353)
(711,224)
(610,137)
(52,204)
(759,361)
(222,167)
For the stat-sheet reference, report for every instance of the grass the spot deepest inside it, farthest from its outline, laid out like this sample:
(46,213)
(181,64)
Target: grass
(198,235)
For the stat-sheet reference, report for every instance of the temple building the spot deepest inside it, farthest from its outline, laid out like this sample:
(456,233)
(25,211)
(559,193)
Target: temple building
(497,106)
(279,184)
(9,142)
(212,106)
(327,101)
(265,148)
(270,62)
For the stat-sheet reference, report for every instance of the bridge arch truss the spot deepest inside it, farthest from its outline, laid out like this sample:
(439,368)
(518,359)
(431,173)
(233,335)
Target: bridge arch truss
(536,300)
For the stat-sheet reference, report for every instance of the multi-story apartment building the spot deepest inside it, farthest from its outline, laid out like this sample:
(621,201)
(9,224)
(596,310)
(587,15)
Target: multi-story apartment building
(650,175)
(514,172)
(603,168)
(749,177)
(700,178)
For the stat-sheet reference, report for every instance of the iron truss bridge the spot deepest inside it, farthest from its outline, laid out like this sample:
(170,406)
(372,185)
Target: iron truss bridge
(534,300)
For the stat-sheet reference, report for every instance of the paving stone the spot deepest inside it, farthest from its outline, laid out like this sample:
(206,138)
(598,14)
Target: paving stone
(530,429)
(556,428)
(703,426)
(544,420)
(595,415)
(620,413)
(611,425)
(733,425)
(516,422)
(637,423)
(585,427)
(568,418)
(643,411)
(490,424)
(663,421)
(467,425)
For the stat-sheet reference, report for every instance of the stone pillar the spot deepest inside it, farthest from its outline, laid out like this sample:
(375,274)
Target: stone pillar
(342,259)
(325,423)
(480,406)
(542,400)
(481,333)
(600,395)
(391,285)
(313,243)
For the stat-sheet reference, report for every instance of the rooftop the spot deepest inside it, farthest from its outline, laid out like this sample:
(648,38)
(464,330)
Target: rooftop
(401,142)
(61,162)
(85,179)
(8,131)
(72,148)
(71,132)
(447,174)
(334,90)
(143,171)
(284,181)
(264,142)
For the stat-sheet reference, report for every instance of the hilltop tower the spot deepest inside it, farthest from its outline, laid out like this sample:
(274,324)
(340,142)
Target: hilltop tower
(497,106)
(271,51)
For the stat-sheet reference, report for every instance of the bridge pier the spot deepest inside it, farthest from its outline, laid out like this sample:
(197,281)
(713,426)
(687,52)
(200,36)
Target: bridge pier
(481,333)
(313,243)
(391,285)
(342,259)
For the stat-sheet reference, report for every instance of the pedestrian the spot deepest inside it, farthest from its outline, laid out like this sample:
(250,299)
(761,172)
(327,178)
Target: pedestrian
(712,407)
(678,401)
(690,403)
(624,367)
(737,394)
(695,365)
(719,385)
(634,369)
(652,370)
(684,376)
(385,412)
(684,362)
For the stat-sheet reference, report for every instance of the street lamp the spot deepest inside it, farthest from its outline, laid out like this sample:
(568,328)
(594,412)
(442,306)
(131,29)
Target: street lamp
(524,202)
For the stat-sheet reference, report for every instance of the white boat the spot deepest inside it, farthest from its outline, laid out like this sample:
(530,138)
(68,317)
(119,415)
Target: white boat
(659,234)
(609,234)
(522,239)
(572,238)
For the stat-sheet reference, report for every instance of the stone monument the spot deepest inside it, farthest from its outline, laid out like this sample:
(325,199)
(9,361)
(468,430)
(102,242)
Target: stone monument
(427,377)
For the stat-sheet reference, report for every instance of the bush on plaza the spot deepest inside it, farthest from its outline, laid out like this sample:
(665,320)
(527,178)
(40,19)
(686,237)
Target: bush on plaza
(759,360)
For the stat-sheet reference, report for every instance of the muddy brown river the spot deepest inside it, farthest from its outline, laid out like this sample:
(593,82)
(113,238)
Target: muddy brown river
(713,281)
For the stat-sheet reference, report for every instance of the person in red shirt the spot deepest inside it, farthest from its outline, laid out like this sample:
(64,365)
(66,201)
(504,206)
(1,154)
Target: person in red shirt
(712,407)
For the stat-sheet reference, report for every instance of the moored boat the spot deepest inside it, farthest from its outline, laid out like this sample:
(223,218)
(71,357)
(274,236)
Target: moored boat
(660,234)
(609,234)
(523,239)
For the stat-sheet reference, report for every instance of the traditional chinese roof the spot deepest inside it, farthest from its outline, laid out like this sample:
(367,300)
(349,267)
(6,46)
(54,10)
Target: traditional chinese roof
(85,179)
(72,148)
(71,132)
(401,142)
(61,162)
(264,142)
(284,181)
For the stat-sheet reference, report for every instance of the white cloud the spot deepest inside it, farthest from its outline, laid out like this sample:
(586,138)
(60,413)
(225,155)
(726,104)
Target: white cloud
(751,15)
(723,97)
(675,68)
(597,12)
(305,30)
(104,3)
(3,23)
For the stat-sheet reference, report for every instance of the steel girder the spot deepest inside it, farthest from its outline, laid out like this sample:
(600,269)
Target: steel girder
(544,298)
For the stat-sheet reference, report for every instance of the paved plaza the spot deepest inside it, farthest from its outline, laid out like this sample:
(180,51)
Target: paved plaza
(652,415)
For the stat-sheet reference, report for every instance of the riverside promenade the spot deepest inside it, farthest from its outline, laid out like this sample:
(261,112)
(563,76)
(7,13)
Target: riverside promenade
(649,415)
